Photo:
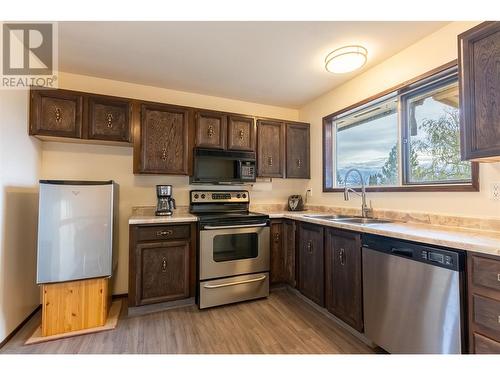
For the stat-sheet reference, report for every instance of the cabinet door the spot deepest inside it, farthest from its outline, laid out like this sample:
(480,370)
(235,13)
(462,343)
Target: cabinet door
(289,246)
(109,119)
(297,151)
(162,271)
(270,148)
(278,256)
(479,77)
(343,278)
(211,129)
(241,133)
(56,113)
(311,275)
(163,140)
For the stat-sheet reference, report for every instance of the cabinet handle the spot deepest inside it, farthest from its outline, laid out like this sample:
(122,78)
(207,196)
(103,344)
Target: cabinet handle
(164,154)
(276,237)
(164,265)
(498,277)
(164,233)
(241,134)
(270,161)
(310,247)
(110,120)
(342,256)
(299,163)
(210,131)
(58,114)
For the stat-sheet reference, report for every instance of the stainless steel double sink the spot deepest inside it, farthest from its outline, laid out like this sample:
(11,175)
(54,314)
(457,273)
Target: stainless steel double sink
(348,219)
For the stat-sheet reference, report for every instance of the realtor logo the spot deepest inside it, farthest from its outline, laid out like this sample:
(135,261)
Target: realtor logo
(28,55)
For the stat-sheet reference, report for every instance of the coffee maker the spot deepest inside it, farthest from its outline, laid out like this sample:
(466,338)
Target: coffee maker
(165,204)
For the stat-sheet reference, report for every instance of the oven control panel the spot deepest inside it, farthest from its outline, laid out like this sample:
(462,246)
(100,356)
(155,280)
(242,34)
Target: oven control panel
(215,196)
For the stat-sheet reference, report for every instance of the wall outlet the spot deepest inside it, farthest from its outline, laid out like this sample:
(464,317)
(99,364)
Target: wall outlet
(309,192)
(495,191)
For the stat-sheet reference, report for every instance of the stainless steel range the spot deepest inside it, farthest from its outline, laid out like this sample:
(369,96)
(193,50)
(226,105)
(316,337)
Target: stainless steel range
(233,243)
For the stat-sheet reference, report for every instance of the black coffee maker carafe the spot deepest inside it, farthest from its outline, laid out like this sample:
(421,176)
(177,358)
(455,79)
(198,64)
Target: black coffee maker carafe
(165,204)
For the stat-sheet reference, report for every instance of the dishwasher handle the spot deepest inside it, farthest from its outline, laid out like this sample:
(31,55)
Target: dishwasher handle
(402,251)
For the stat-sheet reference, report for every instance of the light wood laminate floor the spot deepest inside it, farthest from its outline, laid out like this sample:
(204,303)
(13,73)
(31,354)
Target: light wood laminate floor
(283,323)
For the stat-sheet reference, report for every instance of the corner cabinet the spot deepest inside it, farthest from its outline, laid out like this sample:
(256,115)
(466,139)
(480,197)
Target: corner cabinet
(297,150)
(161,263)
(343,276)
(310,262)
(479,78)
(162,145)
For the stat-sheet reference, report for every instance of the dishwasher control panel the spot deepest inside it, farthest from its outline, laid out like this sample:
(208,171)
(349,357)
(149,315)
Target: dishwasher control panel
(441,257)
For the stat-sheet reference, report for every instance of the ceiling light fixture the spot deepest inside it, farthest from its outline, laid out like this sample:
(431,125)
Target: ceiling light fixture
(346,59)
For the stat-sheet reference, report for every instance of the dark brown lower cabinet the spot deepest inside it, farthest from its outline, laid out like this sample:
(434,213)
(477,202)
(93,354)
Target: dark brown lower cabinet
(310,262)
(161,263)
(343,278)
(483,303)
(283,252)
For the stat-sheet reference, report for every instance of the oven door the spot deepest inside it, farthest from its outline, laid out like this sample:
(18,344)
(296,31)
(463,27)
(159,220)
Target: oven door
(232,250)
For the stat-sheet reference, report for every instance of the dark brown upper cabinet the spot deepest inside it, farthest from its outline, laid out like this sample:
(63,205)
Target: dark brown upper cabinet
(343,277)
(109,119)
(56,113)
(240,133)
(311,262)
(479,77)
(211,129)
(270,148)
(163,144)
(297,150)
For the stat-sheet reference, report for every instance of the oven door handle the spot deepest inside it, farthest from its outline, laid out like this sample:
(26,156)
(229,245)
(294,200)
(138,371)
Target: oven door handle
(234,226)
(208,286)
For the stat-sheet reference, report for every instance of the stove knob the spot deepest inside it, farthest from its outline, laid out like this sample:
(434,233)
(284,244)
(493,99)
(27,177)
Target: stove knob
(244,195)
(196,196)
(238,195)
(203,196)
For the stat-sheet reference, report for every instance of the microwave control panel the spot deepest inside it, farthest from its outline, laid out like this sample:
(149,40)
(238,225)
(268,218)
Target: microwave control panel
(247,171)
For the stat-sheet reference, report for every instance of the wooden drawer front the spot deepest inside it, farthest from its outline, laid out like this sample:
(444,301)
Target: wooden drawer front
(486,313)
(486,272)
(162,232)
(211,129)
(109,119)
(241,133)
(56,113)
(164,271)
(484,345)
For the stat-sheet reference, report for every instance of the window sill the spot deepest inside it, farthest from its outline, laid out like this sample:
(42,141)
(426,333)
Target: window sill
(411,188)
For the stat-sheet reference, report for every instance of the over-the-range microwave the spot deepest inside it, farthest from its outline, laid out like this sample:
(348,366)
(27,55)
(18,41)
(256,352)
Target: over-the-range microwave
(223,167)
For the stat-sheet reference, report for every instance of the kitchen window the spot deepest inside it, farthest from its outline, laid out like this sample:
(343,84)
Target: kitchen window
(405,139)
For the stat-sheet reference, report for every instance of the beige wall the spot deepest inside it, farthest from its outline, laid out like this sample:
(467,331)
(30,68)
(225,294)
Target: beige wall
(82,161)
(19,170)
(430,52)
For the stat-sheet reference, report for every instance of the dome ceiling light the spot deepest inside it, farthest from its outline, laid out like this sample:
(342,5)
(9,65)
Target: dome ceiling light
(346,59)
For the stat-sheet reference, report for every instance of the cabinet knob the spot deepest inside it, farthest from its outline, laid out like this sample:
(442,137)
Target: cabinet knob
(58,114)
(210,131)
(164,265)
(110,120)
(270,161)
(276,237)
(161,233)
(164,154)
(241,134)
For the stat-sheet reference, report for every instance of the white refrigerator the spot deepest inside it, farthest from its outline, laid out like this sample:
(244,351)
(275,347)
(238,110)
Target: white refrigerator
(76,225)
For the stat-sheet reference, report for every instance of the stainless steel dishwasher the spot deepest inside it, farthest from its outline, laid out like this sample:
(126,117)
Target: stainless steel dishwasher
(413,296)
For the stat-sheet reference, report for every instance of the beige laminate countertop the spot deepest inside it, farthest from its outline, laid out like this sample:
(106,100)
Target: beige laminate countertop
(473,240)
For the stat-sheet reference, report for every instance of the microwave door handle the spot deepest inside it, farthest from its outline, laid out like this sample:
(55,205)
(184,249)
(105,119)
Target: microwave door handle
(234,226)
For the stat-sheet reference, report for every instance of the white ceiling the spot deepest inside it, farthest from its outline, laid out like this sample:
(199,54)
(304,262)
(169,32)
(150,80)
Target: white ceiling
(278,63)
